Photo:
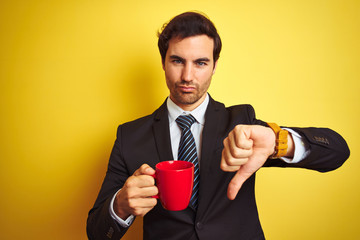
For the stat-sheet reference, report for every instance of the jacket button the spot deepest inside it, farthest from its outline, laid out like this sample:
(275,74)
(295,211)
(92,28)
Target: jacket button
(199,225)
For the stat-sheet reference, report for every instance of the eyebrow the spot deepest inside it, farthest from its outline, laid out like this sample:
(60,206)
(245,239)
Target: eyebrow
(177,57)
(203,59)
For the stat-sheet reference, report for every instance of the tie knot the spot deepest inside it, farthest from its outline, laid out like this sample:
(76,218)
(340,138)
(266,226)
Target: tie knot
(185,121)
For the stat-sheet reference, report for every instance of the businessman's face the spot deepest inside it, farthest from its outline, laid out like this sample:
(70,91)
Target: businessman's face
(188,67)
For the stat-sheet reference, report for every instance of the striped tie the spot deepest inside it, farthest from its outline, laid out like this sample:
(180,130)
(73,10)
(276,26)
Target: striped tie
(187,152)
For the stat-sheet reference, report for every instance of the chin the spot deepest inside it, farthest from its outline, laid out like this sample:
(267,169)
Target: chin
(188,98)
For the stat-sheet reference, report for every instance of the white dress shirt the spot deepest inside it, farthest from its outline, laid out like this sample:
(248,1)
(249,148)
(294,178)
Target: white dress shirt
(196,128)
(301,150)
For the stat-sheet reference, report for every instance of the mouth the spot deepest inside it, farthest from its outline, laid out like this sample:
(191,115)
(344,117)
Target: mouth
(186,89)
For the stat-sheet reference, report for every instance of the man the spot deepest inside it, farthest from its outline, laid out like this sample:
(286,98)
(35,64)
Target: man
(231,145)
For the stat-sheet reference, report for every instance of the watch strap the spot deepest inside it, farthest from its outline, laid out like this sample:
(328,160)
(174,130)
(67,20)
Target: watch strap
(280,142)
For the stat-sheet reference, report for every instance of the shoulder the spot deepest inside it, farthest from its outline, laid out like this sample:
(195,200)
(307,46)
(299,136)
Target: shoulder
(145,123)
(241,108)
(240,113)
(138,122)
(137,126)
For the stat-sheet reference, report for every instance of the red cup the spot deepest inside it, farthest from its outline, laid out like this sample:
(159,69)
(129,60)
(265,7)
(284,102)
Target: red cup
(174,180)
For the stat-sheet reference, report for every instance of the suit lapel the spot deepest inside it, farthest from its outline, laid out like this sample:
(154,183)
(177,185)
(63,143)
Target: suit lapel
(210,134)
(210,142)
(162,133)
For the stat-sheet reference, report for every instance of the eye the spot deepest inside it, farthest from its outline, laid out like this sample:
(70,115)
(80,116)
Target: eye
(201,63)
(177,61)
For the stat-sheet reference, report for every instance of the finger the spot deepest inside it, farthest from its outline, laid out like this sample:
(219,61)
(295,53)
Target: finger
(225,158)
(139,181)
(235,184)
(145,169)
(139,207)
(234,156)
(147,202)
(140,170)
(142,211)
(242,137)
(239,146)
(144,192)
(150,191)
(148,171)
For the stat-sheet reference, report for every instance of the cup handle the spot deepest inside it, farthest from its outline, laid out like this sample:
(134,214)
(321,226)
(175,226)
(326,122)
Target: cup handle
(157,195)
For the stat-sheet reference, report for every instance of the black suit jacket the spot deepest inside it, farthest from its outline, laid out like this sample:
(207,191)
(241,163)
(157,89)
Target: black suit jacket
(147,140)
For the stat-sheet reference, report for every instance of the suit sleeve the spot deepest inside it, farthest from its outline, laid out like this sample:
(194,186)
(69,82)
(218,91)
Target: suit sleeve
(328,149)
(100,224)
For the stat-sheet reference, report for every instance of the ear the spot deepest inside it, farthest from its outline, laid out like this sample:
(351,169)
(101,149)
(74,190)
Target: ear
(215,65)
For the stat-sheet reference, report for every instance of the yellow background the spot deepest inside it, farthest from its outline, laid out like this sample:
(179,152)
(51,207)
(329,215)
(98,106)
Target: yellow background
(71,71)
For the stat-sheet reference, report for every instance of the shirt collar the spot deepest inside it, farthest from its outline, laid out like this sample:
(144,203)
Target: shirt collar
(198,113)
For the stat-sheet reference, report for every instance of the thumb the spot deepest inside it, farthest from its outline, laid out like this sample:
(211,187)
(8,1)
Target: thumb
(236,182)
(145,169)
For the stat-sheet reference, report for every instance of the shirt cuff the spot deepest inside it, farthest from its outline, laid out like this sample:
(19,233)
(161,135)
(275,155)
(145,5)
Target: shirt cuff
(124,223)
(302,149)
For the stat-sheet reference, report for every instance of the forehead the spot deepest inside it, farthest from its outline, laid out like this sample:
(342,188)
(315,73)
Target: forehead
(200,46)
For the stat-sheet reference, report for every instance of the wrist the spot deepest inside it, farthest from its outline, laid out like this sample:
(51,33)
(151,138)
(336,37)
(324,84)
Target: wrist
(291,147)
(117,209)
(123,222)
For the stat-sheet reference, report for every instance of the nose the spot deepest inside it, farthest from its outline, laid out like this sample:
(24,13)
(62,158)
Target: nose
(188,73)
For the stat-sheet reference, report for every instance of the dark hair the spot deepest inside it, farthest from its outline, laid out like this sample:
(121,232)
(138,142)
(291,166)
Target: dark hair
(185,25)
